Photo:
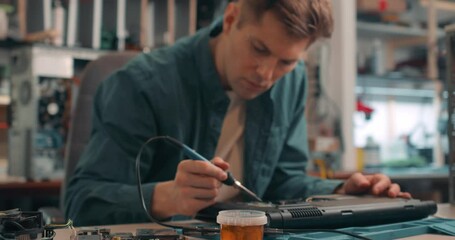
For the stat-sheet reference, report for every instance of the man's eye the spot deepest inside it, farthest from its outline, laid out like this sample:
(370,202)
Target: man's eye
(287,63)
(260,50)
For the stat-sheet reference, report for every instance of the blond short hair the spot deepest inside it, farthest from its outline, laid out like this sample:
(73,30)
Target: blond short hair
(301,18)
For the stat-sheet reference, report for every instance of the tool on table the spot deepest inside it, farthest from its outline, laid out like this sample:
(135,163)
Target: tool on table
(230,181)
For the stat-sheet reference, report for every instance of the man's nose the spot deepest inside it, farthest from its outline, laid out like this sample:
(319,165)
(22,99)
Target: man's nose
(265,71)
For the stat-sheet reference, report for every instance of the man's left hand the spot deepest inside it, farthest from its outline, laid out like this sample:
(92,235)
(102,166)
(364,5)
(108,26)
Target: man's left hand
(376,184)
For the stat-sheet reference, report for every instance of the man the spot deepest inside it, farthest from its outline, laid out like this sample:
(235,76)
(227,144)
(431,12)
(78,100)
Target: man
(235,91)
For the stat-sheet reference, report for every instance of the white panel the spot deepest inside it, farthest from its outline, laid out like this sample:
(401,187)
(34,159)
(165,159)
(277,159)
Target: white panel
(53,66)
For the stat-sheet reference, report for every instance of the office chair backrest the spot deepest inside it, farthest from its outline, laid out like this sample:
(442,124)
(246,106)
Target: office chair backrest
(80,127)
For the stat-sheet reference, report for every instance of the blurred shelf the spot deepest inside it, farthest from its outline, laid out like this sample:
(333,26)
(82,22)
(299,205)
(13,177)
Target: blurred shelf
(390,31)
(47,60)
(411,173)
(72,52)
(410,88)
(52,61)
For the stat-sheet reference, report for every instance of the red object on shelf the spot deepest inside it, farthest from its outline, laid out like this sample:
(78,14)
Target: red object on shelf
(383,5)
(3,125)
(361,107)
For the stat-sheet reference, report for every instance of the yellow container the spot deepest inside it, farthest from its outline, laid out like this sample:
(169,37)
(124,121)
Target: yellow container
(360,159)
(241,224)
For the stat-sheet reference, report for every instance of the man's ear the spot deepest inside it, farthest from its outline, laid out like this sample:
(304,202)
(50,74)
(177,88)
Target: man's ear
(231,15)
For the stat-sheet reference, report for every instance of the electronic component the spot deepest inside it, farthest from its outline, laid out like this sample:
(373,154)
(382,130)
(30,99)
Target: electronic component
(122,236)
(141,234)
(161,234)
(93,234)
(15,224)
(42,89)
(39,120)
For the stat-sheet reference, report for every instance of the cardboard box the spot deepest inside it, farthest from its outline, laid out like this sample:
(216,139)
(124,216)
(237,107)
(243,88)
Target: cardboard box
(378,6)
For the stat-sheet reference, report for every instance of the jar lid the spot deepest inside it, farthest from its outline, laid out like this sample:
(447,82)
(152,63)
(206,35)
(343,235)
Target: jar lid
(241,217)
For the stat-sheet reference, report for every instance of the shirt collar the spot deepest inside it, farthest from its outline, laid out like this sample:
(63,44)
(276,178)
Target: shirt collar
(210,79)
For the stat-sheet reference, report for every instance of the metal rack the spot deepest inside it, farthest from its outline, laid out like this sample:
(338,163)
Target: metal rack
(389,31)
(146,23)
(400,87)
(387,39)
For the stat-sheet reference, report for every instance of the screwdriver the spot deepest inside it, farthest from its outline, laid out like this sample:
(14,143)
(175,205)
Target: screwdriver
(230,181)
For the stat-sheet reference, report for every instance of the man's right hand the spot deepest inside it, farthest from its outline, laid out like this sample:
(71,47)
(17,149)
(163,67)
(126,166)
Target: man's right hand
(195,187)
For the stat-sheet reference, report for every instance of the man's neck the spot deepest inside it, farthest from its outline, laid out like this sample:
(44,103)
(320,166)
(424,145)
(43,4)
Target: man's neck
(216,49)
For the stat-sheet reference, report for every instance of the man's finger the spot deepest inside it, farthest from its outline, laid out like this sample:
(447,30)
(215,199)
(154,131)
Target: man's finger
(380,184)
(203,168)
(359,180)
(357,183)
(404,195)
(394,190)
(219,162)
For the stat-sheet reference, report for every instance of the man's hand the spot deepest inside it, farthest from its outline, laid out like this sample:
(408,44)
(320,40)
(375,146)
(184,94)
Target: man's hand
(195,186)
(376,184)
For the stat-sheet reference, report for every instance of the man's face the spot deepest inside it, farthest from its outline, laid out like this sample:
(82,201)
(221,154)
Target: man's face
(257,54)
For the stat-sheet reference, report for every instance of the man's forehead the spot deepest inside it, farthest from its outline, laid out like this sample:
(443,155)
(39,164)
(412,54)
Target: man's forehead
(269,23)
(286,49)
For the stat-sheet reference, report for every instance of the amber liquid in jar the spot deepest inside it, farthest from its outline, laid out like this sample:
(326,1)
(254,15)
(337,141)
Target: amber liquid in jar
(229,232)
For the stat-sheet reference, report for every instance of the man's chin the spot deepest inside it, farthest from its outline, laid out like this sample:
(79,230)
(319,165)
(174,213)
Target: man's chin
(249,96)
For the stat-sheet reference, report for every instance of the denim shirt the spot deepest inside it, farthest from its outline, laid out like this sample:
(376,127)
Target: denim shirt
(176,91)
